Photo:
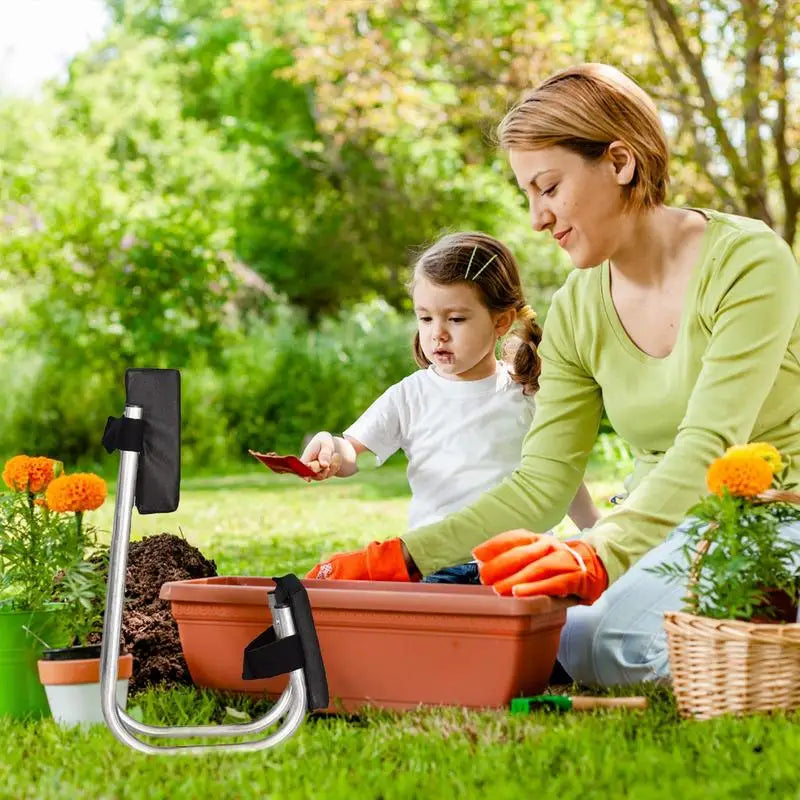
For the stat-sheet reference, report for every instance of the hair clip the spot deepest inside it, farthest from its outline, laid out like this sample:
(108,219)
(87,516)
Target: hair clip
(475,276)
(466,274)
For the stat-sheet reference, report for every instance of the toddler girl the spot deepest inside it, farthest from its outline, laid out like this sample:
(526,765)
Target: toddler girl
(462,417)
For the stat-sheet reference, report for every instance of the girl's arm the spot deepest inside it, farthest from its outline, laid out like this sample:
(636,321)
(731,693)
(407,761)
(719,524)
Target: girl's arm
(376,430)
(582,511)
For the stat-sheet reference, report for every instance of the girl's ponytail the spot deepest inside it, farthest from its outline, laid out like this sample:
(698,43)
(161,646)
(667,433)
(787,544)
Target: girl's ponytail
(521,349)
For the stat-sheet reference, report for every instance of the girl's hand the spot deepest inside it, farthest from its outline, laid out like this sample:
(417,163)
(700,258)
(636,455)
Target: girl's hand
(378,561)
(322,456)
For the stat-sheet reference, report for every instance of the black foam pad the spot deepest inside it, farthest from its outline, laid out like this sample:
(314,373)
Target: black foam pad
(158,392)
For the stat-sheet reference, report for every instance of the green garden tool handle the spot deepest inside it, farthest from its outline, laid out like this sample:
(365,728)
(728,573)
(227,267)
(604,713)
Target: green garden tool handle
(559,702)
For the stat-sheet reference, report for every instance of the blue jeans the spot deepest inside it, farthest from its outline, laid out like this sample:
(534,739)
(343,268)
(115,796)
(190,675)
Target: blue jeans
(621,639)
(462,573)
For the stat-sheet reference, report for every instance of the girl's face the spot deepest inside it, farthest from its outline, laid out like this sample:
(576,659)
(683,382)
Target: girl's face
(580,202)
(456,331)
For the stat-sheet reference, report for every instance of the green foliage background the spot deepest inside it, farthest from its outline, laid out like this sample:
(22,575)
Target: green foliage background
(236,188)
(173,204)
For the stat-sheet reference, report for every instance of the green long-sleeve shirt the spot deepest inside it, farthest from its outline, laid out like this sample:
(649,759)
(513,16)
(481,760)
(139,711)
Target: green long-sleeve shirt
(733,376)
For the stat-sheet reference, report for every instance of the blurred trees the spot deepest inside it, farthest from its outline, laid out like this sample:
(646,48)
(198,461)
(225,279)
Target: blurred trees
(734,89)
(724,72)
(215,168)
(325,219)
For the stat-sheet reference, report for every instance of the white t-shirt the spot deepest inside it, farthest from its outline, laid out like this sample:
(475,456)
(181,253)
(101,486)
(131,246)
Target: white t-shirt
(460,437)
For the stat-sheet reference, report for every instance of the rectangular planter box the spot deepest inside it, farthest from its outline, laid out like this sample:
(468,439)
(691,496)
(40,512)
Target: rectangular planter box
(389,645)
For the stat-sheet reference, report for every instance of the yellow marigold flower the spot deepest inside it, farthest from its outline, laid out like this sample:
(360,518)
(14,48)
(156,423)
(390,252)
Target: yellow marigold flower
(82,491)
(15,473)
(763,450)
(743,474)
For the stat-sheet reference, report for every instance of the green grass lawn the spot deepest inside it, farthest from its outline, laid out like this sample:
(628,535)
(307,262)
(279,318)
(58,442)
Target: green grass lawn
(260,524)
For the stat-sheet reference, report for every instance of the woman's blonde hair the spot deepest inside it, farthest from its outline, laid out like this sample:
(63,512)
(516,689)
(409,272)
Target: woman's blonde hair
(584,109)
(480,260)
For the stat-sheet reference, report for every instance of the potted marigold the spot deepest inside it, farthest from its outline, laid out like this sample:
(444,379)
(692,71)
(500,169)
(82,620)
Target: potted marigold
(735,646)
(71,675)
(33,548)
(47,556)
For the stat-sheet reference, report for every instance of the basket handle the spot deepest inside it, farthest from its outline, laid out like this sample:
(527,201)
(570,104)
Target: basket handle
(778,496)
(694,569)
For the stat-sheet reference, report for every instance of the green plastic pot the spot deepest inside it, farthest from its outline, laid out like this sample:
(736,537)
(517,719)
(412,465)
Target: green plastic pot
(21,693)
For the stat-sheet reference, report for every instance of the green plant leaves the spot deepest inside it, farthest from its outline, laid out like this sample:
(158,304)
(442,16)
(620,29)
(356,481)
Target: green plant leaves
(745,559)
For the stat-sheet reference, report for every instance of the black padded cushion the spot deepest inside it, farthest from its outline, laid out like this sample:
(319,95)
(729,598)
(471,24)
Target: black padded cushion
(158,392)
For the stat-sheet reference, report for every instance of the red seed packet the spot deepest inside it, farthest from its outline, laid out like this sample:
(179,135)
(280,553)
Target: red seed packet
(284,464)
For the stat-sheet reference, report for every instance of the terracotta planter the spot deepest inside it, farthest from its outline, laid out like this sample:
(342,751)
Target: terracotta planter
(783,608)
(71,678)
(390,645)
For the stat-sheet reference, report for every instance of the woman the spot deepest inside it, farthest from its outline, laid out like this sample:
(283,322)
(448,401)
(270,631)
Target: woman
(683,324)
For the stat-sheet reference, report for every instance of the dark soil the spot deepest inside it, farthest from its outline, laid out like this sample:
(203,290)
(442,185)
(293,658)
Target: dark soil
(149,632)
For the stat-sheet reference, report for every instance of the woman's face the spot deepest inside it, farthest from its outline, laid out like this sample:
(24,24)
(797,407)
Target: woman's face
(580,202)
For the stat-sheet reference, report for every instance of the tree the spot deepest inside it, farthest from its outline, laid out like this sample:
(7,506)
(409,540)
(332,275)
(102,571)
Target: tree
(723,72)
(735,93)
(324,218)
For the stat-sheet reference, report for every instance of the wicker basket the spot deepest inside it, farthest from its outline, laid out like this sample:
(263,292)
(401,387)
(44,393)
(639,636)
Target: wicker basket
(722,666)
(726,666)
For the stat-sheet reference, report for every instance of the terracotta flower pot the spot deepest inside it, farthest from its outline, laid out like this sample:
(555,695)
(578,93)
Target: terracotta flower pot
(71,678)
(390,645)
(782,606)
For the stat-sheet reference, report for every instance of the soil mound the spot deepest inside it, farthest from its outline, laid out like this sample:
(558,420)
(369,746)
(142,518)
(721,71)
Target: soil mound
(148,631)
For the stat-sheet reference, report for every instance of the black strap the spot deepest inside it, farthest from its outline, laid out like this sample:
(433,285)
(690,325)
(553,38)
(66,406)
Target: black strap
(267,656)
(122,433)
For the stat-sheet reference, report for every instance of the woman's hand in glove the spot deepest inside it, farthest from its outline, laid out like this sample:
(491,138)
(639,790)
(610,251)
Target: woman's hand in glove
(524,564)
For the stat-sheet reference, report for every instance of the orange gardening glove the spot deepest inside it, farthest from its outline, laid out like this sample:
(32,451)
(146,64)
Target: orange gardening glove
(378,561)
(523,564)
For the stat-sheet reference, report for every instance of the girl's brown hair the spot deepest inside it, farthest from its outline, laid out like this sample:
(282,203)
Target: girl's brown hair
(482,261)
(584,109)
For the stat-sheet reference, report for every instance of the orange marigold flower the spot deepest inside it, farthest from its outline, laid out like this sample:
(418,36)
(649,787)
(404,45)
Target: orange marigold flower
(743,474)
(15,473)
(29,474)
(83,491)
(41,471)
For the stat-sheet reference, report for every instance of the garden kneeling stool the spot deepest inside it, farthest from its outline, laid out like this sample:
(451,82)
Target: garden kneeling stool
(148,438)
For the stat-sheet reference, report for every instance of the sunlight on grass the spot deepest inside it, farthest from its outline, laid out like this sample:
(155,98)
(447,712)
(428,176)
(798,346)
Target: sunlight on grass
(253,522)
